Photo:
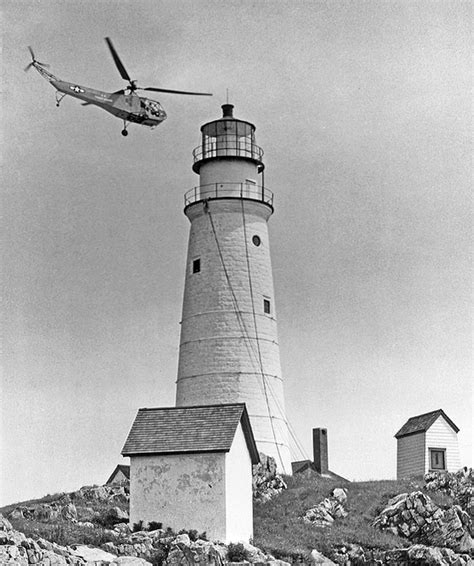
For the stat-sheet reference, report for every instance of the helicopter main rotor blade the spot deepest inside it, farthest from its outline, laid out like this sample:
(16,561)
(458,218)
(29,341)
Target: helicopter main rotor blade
(176,91)
(118,63)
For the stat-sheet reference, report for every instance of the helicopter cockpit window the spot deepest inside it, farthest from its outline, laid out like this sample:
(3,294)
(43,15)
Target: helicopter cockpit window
(151,108)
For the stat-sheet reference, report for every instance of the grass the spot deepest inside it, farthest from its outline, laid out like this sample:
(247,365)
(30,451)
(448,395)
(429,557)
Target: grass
(279,529)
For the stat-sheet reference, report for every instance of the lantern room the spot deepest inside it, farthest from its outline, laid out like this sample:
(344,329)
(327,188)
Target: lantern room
(228,137)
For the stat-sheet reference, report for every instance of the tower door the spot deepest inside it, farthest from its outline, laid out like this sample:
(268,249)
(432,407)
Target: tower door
(249,189)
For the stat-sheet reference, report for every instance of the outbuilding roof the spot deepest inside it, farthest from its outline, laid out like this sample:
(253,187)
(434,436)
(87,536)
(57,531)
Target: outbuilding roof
(120,468)
(178,430)
(422,423)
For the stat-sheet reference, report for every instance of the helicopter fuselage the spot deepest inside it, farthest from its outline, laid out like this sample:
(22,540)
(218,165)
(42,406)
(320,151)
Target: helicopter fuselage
(127,106)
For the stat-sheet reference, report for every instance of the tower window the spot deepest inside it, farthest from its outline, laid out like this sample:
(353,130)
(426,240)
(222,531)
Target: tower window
(256,240)
(196,265)
(266,306)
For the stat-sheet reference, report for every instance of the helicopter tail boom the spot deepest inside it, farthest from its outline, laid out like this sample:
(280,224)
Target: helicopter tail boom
(43,72)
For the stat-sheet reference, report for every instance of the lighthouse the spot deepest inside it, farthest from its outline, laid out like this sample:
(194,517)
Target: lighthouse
(229,351)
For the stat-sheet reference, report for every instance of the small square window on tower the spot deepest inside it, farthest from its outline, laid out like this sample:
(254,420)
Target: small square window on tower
(266,306)
(196,265)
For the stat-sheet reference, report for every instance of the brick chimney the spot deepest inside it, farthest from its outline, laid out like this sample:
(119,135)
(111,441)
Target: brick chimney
(320,450)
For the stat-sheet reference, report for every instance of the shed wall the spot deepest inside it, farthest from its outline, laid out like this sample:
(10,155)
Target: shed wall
(238,480)
(182,491)
(411,455)
(441,435)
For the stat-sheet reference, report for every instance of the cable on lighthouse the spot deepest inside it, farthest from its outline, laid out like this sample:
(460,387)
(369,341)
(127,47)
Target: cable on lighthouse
(245,331)
(235,303)
(265,381)
(256,355)
(256,333)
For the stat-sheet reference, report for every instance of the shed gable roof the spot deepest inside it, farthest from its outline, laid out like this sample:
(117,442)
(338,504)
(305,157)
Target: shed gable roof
(422,423)
(120,468)
(177,430)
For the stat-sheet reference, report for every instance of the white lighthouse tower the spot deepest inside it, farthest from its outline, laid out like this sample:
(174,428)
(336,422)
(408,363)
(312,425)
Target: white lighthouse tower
(229,348)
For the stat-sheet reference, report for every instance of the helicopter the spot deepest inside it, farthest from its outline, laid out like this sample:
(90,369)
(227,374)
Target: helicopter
(125,104)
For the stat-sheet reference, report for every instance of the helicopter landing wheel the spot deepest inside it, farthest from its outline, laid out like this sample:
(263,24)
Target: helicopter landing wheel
(124,132)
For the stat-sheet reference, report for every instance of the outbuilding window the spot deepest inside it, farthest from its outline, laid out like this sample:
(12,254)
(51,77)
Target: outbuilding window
(197,265)
(437,459)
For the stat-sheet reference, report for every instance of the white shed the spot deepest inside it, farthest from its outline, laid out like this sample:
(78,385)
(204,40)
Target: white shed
(191,468)
(427,443)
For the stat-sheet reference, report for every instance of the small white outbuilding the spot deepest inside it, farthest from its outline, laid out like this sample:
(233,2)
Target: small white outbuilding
(191,468)
(427,443)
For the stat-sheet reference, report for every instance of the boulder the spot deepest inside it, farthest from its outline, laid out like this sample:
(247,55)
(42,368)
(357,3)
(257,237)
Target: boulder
(117,515)
(123,528)
(340,494)
(100,492)
(198,553)
(5,524)
(12,555)
(130,561)
(16,513)
(318,559)
(46,513)
(69,512)
(90,554)
(254,553)
(324,513)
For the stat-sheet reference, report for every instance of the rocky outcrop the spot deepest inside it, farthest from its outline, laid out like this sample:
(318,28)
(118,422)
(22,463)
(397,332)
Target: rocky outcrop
(416,517)
(141,544)
(415,555)
(102,492)
(459,486)
(327,511)
(64,507)
(266,482)
(16,548)
(200,553)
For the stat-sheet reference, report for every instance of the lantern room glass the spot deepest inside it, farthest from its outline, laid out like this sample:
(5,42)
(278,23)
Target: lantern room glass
(229,138)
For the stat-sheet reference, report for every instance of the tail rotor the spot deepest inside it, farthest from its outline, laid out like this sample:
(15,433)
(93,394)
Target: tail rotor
(34,62)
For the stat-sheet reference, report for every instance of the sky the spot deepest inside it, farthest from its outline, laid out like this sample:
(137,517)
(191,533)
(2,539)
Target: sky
(363,110)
